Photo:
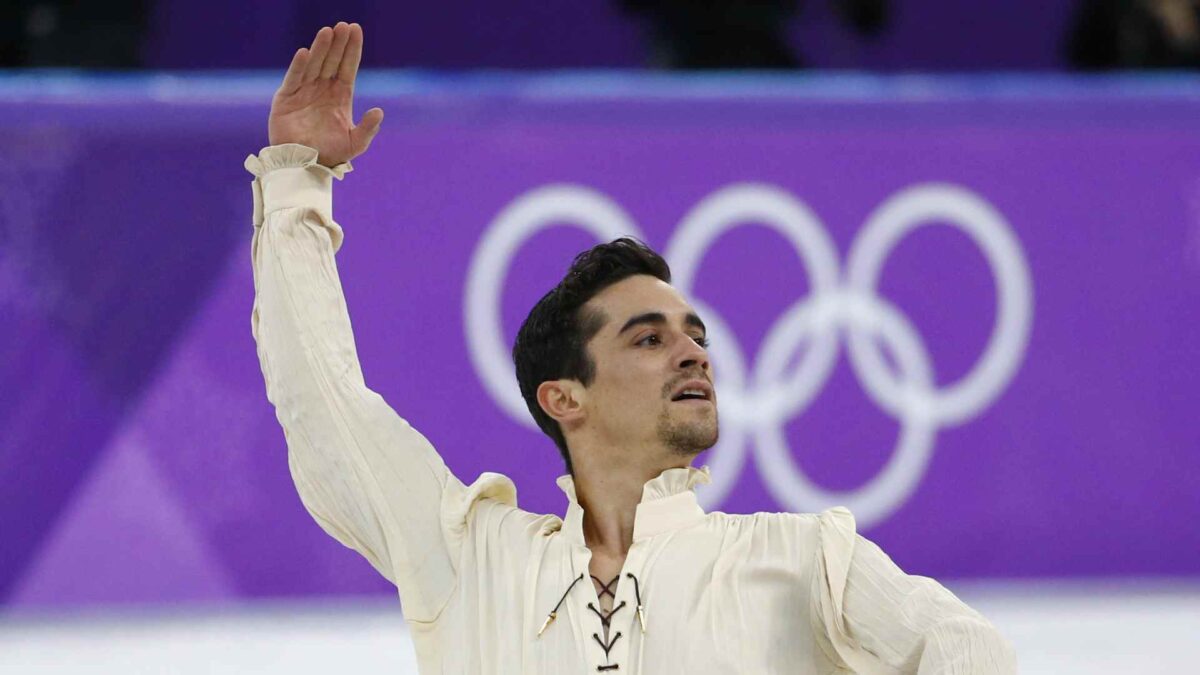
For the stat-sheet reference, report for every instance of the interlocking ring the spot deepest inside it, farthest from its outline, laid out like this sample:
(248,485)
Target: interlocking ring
(757,401)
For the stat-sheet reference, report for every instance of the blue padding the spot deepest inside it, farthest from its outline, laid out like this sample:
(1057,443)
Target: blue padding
(232,86)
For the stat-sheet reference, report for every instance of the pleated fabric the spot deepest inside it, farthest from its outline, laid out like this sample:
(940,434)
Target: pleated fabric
(487,587)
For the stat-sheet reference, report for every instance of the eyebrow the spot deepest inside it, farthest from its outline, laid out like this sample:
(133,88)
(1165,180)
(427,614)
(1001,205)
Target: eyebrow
(690,319)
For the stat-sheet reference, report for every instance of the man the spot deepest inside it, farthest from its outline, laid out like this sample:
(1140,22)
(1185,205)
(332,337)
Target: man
(612,363)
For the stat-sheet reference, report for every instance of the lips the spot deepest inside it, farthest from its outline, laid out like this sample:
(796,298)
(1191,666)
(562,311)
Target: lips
(693,390)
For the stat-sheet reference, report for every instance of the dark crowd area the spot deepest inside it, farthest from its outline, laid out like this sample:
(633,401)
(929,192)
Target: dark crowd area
(1084,35)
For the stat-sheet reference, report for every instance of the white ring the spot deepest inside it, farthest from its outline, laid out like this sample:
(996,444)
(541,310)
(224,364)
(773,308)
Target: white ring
(903,212)
(526,216)
(757,402)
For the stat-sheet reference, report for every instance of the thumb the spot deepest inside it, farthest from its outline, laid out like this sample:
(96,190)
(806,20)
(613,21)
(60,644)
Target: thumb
(363,133)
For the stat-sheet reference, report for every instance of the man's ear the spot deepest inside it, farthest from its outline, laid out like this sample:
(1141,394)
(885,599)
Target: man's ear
(562,400)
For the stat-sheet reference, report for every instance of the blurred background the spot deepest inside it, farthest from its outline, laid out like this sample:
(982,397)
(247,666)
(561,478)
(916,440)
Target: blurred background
(950,252)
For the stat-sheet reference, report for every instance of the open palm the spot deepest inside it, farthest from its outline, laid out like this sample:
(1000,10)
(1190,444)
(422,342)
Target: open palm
(315,104)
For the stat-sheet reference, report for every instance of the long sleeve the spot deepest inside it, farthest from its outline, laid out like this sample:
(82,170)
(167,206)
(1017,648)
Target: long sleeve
(364,474)
(880,620)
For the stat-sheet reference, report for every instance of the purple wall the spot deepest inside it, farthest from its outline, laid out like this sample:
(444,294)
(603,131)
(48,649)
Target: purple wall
(1051,223)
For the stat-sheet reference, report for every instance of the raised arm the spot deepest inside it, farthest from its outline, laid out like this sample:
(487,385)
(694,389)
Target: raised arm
(880,620)
(368,478)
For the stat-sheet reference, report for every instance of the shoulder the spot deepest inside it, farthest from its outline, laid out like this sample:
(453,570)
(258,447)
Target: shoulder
(787,546)
(838,517)
(490,504)
(801,531)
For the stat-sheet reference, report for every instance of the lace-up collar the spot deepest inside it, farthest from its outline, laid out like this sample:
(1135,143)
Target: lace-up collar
(668,503)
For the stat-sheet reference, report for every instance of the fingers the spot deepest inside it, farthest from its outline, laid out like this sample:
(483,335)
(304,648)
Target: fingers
(349,68)
(335,52)
(295,72)
(341,35)
(317,53)
(362,135)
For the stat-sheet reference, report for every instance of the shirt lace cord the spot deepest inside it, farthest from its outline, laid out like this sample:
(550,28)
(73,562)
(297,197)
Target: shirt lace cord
(554,612)
(637,592)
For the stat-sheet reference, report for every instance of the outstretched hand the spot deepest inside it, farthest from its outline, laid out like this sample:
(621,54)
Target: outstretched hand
(314,105)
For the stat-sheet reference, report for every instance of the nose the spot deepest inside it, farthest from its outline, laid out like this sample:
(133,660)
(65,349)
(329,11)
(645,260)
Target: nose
(692,355)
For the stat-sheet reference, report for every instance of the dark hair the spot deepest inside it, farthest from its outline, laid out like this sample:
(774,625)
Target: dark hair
(552,342)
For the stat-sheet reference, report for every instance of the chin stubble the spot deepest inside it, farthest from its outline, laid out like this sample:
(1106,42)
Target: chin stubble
(687,438)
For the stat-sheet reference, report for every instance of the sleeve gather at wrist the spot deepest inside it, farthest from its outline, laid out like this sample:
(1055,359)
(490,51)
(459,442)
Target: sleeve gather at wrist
(288,175)
(290,156)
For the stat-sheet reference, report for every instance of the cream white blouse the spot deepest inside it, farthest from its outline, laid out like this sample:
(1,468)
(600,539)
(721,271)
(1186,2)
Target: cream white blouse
(479,579)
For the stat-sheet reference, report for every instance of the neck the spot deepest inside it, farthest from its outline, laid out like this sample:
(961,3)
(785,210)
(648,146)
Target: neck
(609,494)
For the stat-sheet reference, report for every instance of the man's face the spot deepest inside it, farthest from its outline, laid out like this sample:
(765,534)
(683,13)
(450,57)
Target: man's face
(653,382)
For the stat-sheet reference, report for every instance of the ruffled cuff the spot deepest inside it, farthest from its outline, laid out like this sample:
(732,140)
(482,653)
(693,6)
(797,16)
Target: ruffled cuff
(288,175)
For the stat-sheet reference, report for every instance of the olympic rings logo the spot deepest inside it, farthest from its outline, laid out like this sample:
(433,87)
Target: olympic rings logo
(757,399)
